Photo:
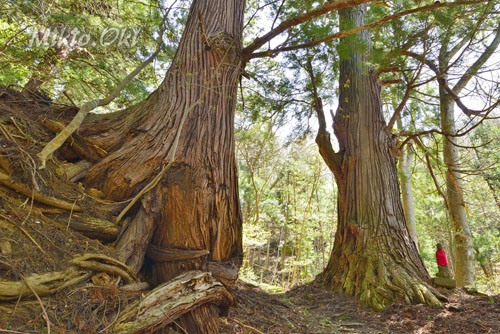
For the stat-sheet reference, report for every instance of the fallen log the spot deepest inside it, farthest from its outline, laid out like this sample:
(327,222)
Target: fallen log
(169,301)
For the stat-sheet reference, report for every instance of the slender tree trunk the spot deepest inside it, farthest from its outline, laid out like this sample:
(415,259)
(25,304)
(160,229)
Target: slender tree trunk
(464,255)
(404,172)
(374,257)
(285,231)
(190,117)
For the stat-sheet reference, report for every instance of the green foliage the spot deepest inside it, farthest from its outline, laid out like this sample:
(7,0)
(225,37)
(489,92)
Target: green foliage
(95,67)
(294,208)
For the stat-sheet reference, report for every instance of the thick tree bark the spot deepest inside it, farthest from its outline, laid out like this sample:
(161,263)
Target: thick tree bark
(464,255)
(195,207)
(374,257)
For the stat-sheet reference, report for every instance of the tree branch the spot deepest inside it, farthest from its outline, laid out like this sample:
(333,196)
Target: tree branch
(345,33)
(474,68)
(328,7)
(443,83)
(409,88)
(332,159)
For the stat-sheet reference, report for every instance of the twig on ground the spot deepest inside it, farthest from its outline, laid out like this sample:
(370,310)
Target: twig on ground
(45,315)
(24,232)
(247,326)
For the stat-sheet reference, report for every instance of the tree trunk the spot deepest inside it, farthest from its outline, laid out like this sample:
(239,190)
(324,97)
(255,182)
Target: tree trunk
(374,257)
(190,117)
(404,172)
(464,255)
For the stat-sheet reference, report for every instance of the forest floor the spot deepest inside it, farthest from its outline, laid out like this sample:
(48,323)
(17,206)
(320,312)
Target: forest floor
(312,309)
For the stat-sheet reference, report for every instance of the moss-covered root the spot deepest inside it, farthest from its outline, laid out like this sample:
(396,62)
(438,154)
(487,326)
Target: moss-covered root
(376,285)
(400,286)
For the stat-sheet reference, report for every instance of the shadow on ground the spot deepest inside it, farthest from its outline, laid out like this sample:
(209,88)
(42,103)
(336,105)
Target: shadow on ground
(312,309)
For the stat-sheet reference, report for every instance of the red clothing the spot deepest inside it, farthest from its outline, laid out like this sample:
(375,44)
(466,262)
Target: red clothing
(441,258)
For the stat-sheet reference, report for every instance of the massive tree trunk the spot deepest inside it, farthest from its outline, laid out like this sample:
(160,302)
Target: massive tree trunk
(374,257)
(464,255)
(191,218)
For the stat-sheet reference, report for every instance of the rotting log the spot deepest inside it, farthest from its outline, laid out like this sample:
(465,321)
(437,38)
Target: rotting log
(169,301)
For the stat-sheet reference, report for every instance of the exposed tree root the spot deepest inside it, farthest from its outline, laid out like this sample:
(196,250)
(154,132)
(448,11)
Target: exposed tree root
(380,284)
(103,263)
(134,241)
(80,145)
(49,283)
(75,172)
(42,284)
(75,123)
(171,300)
(37,195)
(94,228)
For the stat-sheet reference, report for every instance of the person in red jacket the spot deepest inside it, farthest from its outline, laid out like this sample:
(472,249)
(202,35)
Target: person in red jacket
(442,262)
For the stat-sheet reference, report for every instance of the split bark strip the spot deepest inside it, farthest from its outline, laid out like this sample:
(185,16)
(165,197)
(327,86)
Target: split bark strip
(36,195)
(169,301)
(75,123)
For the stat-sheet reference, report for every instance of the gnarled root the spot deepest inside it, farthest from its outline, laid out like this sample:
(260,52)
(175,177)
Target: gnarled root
(49,283)
(42,284)
(377,283)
